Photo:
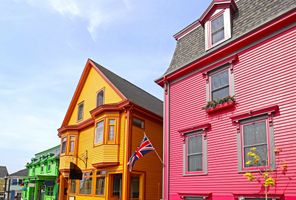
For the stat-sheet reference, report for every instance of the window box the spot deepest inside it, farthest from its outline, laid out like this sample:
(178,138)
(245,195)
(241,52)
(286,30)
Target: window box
(222,104)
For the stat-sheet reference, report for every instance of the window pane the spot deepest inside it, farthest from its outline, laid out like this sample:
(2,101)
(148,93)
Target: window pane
(193,198)
(72,143)
(217,28)
(195,144)
(73,187)
(80,111)
(217,23)
(111,129)
(195,163)
(99,132)
(255,133)
(85,185)
(100,98)
(219,80)
(220,94)
(135,187)
(64,144)
(261,151)
(218,36)
(100,185)
(117,185)
(139,123)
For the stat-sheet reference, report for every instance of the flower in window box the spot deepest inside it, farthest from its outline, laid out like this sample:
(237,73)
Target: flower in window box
(219,104)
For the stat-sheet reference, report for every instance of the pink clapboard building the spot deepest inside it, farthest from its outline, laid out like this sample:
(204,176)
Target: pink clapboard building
(231,88)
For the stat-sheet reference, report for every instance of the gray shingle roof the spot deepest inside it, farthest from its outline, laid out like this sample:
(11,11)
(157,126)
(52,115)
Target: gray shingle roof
(132,92)
(3,171)
(23,172)
(250,15)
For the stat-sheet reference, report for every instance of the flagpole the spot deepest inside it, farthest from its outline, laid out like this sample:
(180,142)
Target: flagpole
(155,150)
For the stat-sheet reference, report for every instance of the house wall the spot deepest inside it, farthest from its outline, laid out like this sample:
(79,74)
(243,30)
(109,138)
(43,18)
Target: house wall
(264,75)
(150,167)
(93,84)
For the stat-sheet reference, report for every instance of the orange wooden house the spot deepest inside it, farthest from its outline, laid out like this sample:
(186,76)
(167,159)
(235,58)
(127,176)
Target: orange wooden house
(104,124)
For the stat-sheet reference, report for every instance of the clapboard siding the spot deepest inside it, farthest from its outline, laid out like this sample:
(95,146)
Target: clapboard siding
(265,75)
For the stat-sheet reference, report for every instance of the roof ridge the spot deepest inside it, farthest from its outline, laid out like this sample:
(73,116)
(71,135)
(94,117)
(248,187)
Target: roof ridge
(124,79)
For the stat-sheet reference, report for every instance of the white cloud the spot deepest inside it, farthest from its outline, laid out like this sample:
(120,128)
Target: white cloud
(95,13)
(65,7)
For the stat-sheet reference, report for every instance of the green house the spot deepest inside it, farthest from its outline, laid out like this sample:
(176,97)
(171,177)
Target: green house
(43,172)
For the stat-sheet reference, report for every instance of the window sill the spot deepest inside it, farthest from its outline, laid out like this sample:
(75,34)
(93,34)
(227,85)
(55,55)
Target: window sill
(259,169)
(220,107)
(195,174)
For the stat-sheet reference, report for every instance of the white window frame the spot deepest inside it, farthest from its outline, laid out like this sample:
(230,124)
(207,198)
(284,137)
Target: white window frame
(227,27)
(96,132)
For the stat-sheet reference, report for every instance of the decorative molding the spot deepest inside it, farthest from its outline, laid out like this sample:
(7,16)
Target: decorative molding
(216,4)
(204,195)
(104,164)
(204,127)
(269,110)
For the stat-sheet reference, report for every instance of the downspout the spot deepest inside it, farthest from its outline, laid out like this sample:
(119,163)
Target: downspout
(166,142)
(127,144)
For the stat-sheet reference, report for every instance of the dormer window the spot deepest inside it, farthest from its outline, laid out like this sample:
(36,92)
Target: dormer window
(217,22)
(218,28)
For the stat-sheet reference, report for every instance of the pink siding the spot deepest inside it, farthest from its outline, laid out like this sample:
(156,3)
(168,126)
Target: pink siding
(265,75)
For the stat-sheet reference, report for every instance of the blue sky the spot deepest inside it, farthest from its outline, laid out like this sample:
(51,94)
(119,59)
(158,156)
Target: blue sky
(44,46)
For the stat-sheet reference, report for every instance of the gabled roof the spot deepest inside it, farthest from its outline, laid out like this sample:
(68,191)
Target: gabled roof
(250,15)
(3,171)
(122,87)
(132,92)
(23,172)
(216,4)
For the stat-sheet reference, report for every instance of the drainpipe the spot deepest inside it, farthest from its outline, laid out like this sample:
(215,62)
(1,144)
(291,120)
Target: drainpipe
(127,145)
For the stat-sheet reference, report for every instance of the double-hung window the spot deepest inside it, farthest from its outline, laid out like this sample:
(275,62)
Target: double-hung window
(194,152)
(72,144)
(111,130)
(99,132)
(256,143)
(64,145)
(219,86)
(100,98)
(80,111)
(217,28)
(254,135)
(195,149)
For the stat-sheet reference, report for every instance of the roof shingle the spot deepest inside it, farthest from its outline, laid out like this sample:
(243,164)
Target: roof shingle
(133,93)
(3,171)
(250,15)
(23,172)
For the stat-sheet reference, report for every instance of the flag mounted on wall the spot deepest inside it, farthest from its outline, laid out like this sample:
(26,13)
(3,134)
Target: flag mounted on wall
(144,148)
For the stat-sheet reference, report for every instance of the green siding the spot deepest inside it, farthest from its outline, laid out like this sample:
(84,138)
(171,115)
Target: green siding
(43,174)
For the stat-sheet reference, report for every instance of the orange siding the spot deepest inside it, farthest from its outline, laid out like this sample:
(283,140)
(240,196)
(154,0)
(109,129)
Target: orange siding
(150,164)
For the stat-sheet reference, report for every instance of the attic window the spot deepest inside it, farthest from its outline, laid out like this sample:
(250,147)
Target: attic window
(100,97)
(80,111)
(217,28)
